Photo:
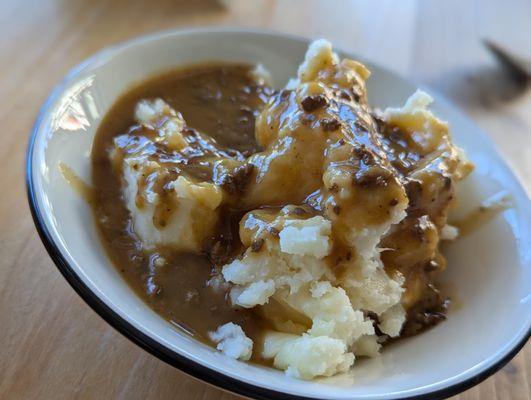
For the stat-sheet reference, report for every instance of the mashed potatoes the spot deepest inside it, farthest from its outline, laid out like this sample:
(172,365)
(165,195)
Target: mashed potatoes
(231,340)
(167,209)
(339,214)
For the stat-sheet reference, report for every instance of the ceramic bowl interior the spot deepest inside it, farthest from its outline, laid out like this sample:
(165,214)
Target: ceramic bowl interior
(489,270)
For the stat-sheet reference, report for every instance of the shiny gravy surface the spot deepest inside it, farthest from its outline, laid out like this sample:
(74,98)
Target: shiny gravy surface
(222,102)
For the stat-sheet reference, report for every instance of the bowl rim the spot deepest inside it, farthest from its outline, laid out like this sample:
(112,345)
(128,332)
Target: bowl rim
(134,334)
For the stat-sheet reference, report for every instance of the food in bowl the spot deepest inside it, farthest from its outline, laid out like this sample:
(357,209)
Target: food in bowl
(298,228)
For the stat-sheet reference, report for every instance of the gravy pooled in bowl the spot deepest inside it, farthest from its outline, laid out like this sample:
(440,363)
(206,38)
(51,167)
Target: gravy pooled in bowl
(296,227)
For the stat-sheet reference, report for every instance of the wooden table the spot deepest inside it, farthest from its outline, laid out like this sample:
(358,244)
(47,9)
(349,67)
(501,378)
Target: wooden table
(52,345)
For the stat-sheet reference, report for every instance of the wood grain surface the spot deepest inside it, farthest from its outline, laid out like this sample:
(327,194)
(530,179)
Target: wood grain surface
(52,345)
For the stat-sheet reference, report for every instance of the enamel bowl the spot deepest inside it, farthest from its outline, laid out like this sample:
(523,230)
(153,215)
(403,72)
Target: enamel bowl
(489,270)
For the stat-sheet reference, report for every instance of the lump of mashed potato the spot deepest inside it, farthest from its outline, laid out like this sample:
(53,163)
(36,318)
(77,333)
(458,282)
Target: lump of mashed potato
(306,357)
(168,208)
(339,214)
(231,340)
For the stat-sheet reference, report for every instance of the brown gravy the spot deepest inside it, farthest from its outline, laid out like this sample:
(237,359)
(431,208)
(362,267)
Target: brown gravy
(85,191)
(483,214)
(222,101)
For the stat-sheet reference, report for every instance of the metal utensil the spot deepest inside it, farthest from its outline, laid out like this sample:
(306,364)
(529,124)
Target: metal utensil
(518,68)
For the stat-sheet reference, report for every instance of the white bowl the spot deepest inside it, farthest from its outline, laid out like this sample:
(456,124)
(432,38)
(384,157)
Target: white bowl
(490,270)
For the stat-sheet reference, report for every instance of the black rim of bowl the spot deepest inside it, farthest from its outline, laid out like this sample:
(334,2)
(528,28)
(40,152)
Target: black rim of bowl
(146,342)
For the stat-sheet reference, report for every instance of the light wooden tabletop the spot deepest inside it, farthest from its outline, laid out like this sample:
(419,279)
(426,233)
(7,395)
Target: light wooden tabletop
(52,345)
